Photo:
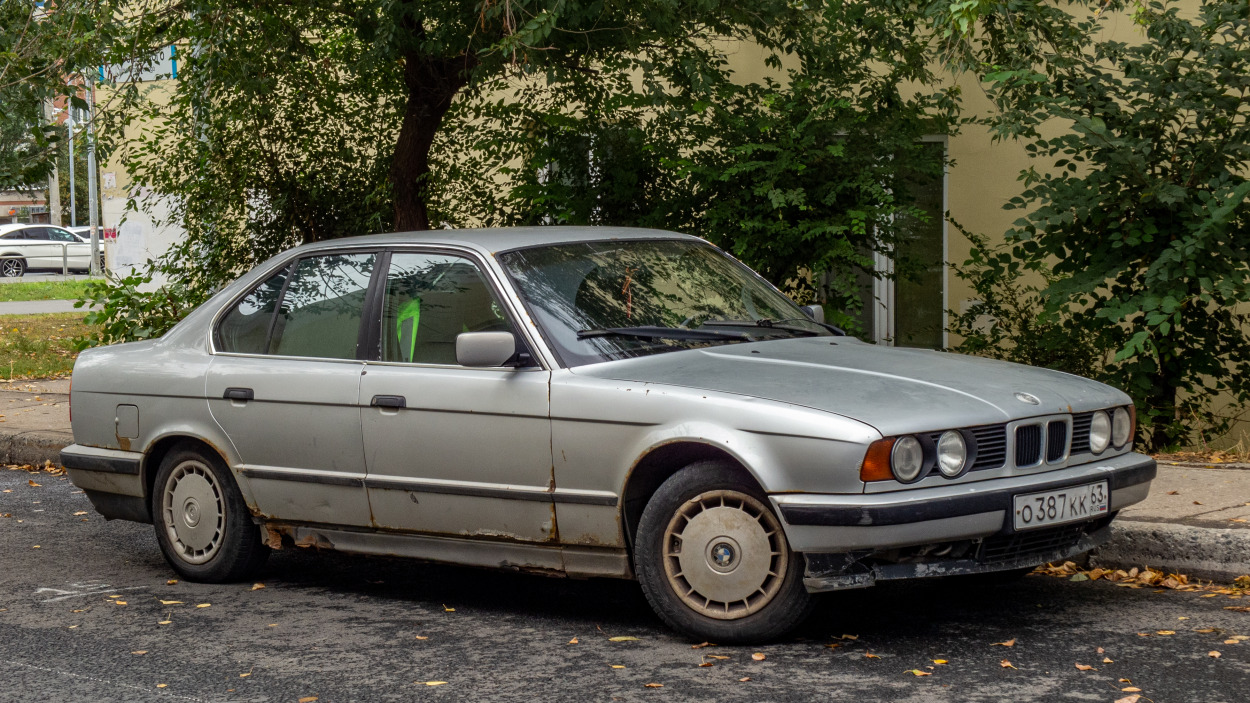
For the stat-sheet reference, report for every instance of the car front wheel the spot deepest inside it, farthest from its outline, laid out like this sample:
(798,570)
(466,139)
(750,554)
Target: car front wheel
(12,268)
(202,523)
(713,560)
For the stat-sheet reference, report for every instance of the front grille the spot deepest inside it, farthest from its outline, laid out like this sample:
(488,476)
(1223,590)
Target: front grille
(991,446)
(1023,544)
(1056,440)
(1080,432)
(1028,445)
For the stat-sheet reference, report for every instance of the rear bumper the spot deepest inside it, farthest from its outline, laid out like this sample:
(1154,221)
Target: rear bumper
(111,478)
(846,523)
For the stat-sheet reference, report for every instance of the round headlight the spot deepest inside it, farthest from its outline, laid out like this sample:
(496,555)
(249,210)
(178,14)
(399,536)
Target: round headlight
(907,459)
(1099,432)
(952,453)
(1121,427)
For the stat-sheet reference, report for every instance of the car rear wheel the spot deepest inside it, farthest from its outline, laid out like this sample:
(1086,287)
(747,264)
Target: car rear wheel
(713,560)
(12,268)
(202,523)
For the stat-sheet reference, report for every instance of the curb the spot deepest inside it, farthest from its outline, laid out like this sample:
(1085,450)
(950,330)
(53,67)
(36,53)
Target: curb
(34,447)
(1200,552)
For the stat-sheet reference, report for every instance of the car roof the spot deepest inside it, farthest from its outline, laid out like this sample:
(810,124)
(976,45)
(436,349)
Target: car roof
(500,239)
(11,226)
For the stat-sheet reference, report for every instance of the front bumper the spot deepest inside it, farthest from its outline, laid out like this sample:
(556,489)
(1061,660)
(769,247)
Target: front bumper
(868,523)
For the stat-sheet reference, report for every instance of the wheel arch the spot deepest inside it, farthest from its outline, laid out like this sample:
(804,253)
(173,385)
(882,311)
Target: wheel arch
(659,463)
(157,452)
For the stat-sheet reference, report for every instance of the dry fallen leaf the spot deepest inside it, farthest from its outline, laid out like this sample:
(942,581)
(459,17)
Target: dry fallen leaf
(1129,699)
(1174,493)
(244,676)
(307,699)
(939,661)
(917,672)
(653,685)
(423,637)
(171,582)
(572,641)
(870,655)
(204,605)
(80,512)
(1085,667)
(171,602)
(1165,632)
(701,645)
(1006,664)
(1206,630)
(1100,650)
(448,610)
(1197,502)
(119,602)
(715,656)
(257,586)
(1131,689)
(758,656)
(1009,643)
(745,678)
(32,483)
(1213,654)
(140,651)
(617,666)
(435,683)
(623,638)
(163,685)
(849,637)
(164,622)
(1230,641)
(706,664)
(835,645)
(1107,660)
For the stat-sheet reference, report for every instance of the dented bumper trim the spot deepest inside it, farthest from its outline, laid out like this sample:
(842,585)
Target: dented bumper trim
(113,461)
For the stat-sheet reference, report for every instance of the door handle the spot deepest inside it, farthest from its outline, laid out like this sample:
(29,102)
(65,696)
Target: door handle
(389,401)
(239,394)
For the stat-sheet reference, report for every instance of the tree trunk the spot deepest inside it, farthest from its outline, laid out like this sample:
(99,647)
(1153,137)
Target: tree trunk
(432,83)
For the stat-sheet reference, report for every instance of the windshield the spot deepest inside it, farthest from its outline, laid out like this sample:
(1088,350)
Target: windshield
(598,301)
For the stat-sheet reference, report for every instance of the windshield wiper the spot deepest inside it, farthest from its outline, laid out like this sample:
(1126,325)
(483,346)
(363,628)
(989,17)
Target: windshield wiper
(765,323)
(651,332)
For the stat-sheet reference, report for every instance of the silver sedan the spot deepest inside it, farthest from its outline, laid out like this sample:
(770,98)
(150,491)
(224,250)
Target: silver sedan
(591,402)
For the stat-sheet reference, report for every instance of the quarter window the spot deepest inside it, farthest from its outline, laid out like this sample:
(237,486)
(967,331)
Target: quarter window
(430,299)
(245,329)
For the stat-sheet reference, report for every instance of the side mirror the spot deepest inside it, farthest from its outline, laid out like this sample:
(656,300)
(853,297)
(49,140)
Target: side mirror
(485,349)
(816,312)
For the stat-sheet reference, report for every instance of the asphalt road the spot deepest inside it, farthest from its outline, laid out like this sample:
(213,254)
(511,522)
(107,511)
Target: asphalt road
(345,628)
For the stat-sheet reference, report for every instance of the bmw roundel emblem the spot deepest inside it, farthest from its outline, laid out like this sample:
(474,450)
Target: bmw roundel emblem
(1028,398)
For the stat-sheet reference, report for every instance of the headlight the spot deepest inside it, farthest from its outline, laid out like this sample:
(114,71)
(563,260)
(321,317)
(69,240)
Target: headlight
(1099,432)
(1121,427)
(907,459)
(952,454)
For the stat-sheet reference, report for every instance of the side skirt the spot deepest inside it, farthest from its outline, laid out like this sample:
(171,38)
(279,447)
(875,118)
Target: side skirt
(579,562)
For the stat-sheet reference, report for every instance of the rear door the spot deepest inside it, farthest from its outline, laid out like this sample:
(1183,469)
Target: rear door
(284,387)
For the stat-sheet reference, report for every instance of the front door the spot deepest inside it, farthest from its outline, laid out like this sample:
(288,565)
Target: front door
(452,450)
(284,384)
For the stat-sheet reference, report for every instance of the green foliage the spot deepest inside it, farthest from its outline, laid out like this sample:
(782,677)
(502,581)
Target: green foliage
(1009,321)
(41,50)
(1141,205)
(122,311)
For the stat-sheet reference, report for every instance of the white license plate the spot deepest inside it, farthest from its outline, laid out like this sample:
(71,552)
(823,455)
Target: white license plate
(1071,504)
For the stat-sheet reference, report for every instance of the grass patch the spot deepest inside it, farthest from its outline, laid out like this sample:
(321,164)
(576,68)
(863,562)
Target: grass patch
(42,290)
(39,346)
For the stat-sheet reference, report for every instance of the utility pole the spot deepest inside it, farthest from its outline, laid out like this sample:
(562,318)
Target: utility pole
(73,208)
(93,218)
(54,182)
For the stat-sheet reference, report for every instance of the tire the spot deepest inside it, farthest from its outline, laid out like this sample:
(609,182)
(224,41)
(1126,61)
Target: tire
(12,268)
(741,583)
(204,528)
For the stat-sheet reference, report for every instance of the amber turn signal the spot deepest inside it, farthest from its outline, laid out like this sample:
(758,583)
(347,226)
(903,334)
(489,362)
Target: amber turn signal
(876,466)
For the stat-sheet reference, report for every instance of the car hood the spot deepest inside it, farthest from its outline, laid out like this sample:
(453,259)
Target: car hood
(892,389)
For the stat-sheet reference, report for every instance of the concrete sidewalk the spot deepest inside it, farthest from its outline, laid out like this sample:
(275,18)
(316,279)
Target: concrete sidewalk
(1196,520)
(39,307)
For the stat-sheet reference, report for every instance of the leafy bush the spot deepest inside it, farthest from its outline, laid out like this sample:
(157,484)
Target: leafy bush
(122,312)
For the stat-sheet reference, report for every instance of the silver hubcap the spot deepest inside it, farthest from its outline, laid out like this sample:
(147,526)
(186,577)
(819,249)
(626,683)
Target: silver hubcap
(10,267)
(194,512)
(724,554)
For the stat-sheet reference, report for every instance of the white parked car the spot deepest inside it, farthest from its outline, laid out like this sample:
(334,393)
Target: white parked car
(29,247)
